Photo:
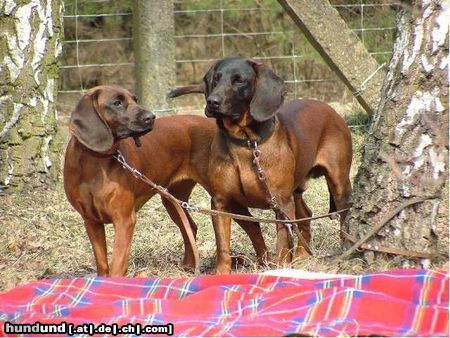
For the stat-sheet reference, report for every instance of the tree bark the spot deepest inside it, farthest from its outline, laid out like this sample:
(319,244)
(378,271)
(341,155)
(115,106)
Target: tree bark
(30,43)
(154,52)
(406,151)
(339,47)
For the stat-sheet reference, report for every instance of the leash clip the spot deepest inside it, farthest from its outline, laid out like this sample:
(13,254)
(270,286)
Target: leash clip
(252,144)
(119,157)
(188,207)
(289,227)
(335,216)
(273,204)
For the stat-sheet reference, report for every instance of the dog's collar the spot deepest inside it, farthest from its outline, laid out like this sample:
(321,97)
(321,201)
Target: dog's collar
(263,131)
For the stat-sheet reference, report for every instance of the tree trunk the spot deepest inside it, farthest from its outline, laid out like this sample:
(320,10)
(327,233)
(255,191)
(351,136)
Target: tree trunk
(30,43)
(406,152)
(154,52)
(339,47)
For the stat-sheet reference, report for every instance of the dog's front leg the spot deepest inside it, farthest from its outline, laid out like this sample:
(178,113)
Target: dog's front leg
(124,227)
(283,251)
(222,231)
(96,233)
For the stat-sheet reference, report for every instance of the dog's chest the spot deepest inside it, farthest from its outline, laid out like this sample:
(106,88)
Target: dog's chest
(240,178)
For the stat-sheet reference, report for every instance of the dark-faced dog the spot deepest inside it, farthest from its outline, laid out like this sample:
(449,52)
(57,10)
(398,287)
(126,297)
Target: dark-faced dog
(298,140)
(174,154)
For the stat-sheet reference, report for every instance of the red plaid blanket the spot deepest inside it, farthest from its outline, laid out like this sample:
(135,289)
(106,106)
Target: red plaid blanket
(394,303)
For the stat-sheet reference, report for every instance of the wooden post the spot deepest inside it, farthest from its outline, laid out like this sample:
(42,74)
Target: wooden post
(340,47)
(154,52)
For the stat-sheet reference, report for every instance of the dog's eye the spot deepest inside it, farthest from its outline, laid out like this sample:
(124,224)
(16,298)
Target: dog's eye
(238,79)
(117,103)
(216,77)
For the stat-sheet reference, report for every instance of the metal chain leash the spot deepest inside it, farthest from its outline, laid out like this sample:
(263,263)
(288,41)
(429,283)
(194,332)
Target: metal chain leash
(198,209)
(176,203)
(357,243)
(271,200)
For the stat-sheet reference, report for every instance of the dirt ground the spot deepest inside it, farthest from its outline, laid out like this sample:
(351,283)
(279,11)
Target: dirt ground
(41,236)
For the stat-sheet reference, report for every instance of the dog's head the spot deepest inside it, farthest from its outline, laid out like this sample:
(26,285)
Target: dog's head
(236,86)
(106,114)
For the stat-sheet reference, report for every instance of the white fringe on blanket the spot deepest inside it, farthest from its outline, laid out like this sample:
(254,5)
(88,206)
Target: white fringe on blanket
(294,273)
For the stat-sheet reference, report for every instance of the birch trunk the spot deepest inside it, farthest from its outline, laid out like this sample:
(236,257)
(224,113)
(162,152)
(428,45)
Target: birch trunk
(30,43)
(406,152)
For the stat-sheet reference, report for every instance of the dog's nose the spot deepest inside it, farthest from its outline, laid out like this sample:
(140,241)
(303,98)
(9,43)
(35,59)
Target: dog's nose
(213,102)
(148,117)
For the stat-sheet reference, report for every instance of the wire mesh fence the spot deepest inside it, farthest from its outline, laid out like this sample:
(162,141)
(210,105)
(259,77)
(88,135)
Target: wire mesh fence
(98,43)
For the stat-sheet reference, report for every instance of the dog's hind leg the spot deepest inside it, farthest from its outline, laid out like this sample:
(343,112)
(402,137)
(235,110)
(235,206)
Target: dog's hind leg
(284,243)
(336,163)
(332,204)
(182,190)
(302,211)
(340,192)
(253,230)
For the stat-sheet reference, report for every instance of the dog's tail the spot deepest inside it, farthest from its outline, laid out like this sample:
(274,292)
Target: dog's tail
(200,88)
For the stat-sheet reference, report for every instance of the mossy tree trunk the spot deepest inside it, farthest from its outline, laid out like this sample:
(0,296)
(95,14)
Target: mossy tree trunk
(340,48)
(30,43)
(406,151)
(154,52)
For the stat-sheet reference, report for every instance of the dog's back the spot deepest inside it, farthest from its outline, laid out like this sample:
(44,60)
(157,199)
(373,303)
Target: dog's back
(321,138)
(310,120)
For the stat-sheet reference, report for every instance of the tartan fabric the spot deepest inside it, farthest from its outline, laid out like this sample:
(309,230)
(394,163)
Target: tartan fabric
(393,303)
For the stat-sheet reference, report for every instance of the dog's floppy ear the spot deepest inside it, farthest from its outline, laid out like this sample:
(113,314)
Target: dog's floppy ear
(87,125)
(208,79)
(269,92)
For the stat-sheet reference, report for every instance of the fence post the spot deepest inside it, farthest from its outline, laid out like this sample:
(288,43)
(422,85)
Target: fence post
(154,52)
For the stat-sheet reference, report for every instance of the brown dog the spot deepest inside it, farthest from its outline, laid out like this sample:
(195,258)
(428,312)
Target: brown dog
(297,140)
(174,155)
